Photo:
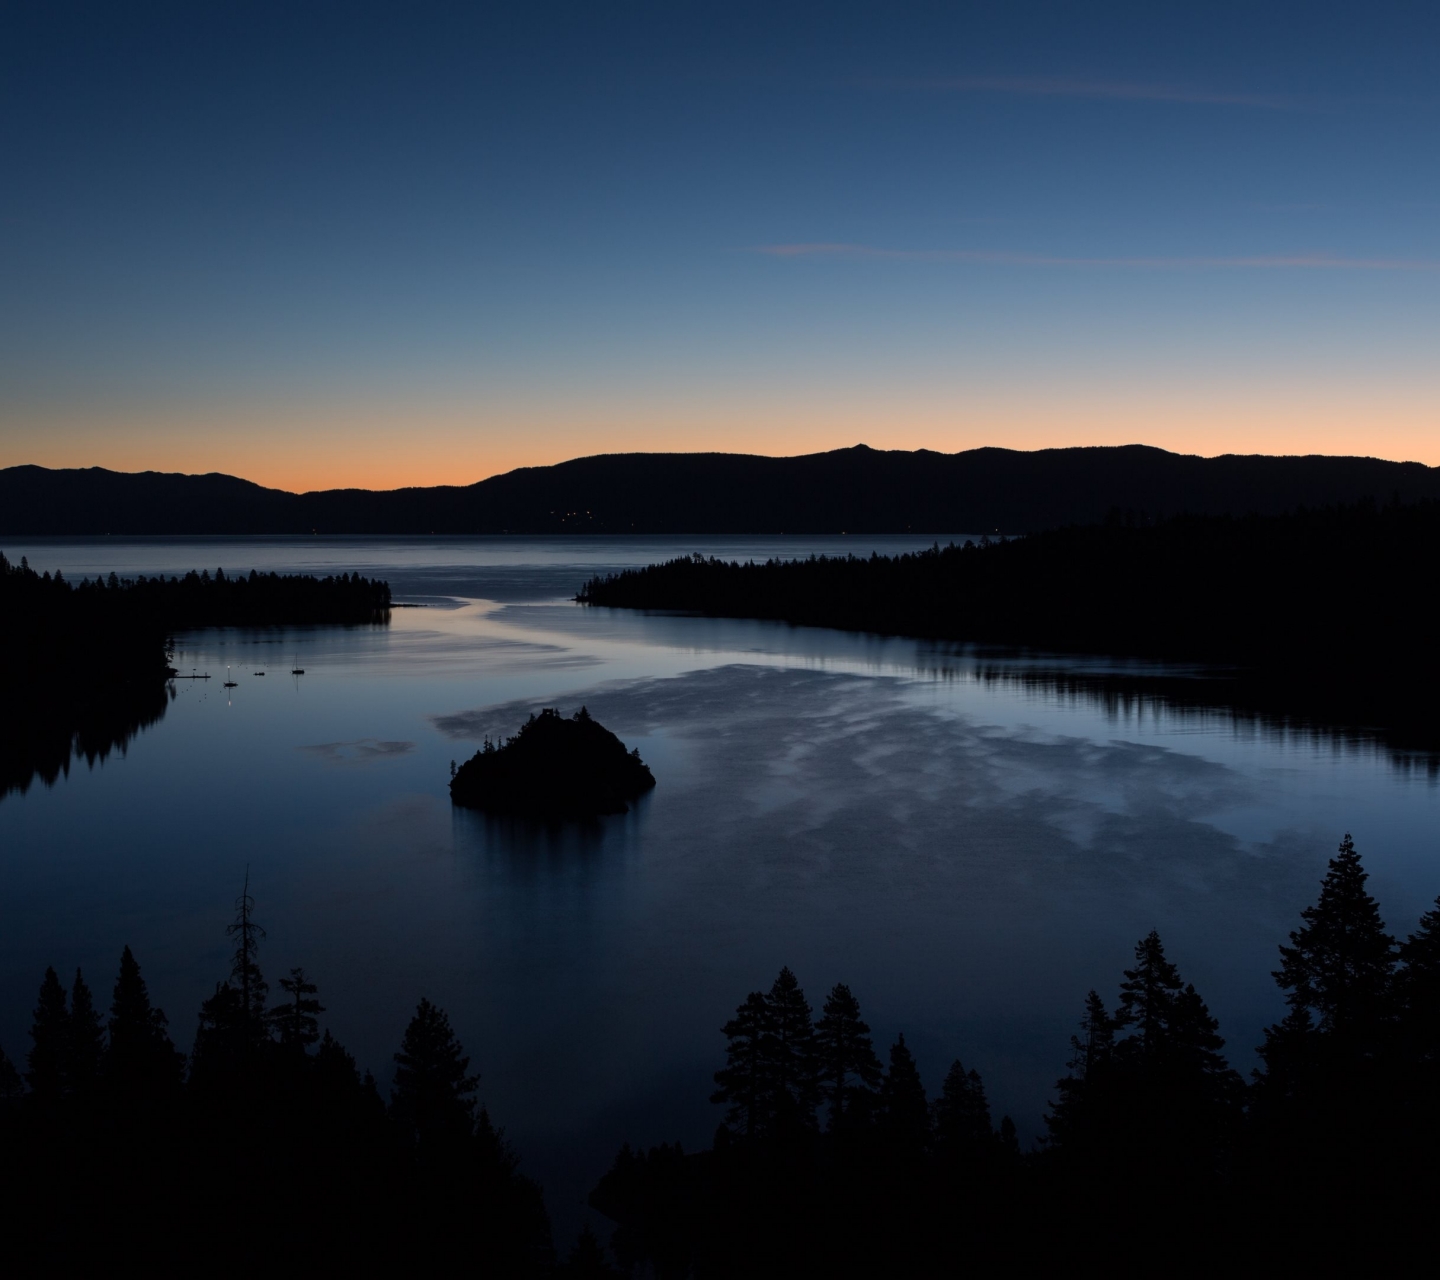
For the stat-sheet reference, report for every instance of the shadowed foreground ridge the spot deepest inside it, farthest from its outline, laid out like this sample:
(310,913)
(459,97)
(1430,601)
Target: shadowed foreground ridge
(553,768)
(828,1161)
(265,1148)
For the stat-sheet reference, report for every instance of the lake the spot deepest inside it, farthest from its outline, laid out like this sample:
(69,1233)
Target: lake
(969,847)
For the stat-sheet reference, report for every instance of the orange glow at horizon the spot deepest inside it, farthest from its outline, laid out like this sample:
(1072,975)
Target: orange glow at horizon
(388,446)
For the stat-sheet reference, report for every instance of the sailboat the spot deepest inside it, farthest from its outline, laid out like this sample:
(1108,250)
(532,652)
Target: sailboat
(297,669)
(229,683)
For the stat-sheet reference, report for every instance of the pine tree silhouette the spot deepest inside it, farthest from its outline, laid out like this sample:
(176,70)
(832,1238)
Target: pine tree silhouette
(1147,1001)
(741,1085)
(140,1062)
(1418,988)
(87,1039)
(906,1109)
(433,1096)
(1073,1117)
(298,1018)
(49,1059)
(245,975)
(1340,966)
(848,1070)
(962,1125)
(789,1056)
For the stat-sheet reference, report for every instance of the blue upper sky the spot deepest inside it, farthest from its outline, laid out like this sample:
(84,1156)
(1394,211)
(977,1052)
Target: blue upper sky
(323,244)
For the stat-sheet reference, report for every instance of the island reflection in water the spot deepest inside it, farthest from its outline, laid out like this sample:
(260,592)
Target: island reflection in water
(971,841)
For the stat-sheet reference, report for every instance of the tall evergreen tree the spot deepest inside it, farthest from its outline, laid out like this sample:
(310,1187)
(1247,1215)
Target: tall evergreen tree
(789,1056)
(49,1059)
(906,1109)
(245,975)
(141,1061)
(298,1017)
(1341,962)
(1147,1001)
(963,1129)
(1075,1115)
(1418,988)
(741,1085)
(87,1039)
(848,1070)
(433,1096)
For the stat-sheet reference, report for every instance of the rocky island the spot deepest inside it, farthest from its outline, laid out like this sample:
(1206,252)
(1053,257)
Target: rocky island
(553,768)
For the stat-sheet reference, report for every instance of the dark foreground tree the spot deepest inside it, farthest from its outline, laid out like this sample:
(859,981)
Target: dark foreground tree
(1340,964)
(141,1064)
(741,1084)
(434,1094)
(87,1038)
(848,1071)
(49,1060)
(297,1019)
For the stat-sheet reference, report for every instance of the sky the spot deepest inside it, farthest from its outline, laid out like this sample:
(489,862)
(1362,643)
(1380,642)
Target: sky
(322,245)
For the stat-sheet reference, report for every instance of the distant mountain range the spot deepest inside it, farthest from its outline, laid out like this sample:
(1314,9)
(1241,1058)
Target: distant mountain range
(857,490)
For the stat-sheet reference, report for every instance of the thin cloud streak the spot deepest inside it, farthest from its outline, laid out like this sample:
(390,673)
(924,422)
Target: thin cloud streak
(1273,262)
(1099,91)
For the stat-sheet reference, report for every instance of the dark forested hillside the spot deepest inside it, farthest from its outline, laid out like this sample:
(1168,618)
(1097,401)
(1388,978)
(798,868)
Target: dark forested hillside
(1328,608)
(83,665)
(857,490)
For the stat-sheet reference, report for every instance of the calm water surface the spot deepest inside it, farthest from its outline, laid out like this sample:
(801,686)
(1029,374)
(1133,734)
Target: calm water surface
(970,855)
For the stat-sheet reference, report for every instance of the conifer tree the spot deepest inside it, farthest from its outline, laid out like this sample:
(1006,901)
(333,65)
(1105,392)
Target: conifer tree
(49,1059)
(848,1070)
(962,1114)
(741,1083)
(906,1109)
(1075,1114)
(433,1096)
(245,975)
(1340,964)
(298,1018)
(141,1061)
(1147,1000)
(789,1056)
(87,1040)
(1418,987)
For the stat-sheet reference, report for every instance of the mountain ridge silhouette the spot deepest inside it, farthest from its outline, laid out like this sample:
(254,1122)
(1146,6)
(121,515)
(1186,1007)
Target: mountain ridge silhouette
(853,490)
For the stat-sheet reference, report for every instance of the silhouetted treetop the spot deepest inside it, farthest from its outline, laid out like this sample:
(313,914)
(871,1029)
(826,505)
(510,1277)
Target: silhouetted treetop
(434,1094)
(553,768)
(1340,963)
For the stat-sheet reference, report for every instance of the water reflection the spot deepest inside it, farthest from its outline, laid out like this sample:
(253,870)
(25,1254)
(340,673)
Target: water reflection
(49,726)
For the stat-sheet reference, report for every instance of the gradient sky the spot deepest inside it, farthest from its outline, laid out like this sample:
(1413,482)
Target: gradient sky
(331,244)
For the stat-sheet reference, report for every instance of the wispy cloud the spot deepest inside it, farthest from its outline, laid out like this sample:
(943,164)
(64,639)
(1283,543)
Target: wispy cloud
(1000,257)
(1095,90)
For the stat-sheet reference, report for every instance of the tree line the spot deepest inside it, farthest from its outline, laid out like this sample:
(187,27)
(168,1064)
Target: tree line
(1155,1149)
(1324,606)
(265,1145)
(83,664)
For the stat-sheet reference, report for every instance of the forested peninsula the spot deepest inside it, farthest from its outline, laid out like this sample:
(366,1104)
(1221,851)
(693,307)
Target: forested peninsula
(83,665)
(1322,612)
